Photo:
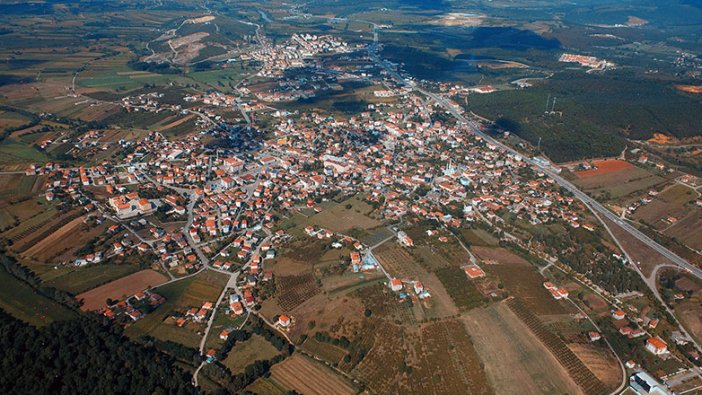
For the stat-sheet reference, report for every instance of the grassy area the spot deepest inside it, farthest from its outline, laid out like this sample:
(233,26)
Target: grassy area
(344,216)
(20,300)
(13,152)
(78,280)
(243,354)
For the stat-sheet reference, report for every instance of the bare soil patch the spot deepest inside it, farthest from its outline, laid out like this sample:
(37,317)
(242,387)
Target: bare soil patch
(125,286)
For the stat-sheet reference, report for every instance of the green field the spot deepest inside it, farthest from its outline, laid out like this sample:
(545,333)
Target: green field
(78,280)
(20,300)
(243,354)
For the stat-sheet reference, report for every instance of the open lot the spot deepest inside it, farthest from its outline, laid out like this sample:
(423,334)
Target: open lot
(338,218)
(604,167)
(515,360)
(619,183)
(76,280)
(519,278)
(309,377)
(244,353)
(125,286)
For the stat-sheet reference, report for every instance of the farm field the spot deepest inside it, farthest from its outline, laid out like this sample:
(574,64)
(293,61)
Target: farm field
(267,386)
(57,246)
(600,361)
(619,183)
(520,279)
(308,377)
(449,363)
(94,299)
(20,300)
(674,201)
(338,218)
(78,280)
(244,353)
(479,237)
(604,167)
(326,351)
(515,360)
(397,261)
(295,290)
(460,288)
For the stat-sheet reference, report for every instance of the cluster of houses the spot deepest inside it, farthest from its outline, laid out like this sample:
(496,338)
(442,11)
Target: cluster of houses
(135,306)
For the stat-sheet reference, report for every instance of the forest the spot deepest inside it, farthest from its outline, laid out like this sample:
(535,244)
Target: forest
(82,356)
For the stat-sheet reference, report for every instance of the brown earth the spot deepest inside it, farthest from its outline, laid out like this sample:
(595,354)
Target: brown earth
(125,286)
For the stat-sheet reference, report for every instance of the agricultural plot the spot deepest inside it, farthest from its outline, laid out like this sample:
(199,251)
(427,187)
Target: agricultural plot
(56,246)
(462,290)
(397,261)
(619,183)
(118,289)
(309,377)
(515,361)
(520,279)
(577,370)
(381,369)
(676,201)
(448,363)
(78,280)
(338,218)
(383,302)
(295,290)
(600,361)
(244,353)
(266,386)
(326,351)
(479,237)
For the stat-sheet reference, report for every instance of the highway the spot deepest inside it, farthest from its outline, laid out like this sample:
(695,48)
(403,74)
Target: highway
(577,193)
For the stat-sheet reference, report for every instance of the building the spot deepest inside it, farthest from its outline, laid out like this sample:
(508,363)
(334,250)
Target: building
(473,272)
(404,239)
(618,314)
(284,321)
(643,384)
(656,345)
(396,285)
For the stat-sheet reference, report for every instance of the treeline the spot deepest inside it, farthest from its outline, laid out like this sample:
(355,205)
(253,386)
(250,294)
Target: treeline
(82,357)
(22,273)
(178,351)
(33,121)
(152,67)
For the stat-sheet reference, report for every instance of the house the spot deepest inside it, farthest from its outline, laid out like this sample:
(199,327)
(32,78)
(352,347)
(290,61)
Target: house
(618,314)
(404,239)
(284,321)
(656,345)
(418,287)
(474,271)
(396,285)
(224,335)
(594,336)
